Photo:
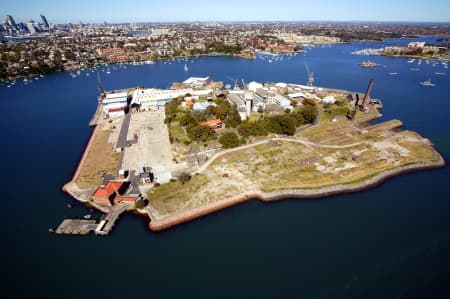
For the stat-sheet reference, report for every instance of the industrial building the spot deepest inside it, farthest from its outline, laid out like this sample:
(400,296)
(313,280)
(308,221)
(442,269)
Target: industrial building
(246,102)
(197,82)
(153,99)
(115,104)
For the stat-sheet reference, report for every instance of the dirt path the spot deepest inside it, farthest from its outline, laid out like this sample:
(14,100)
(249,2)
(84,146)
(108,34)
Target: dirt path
(301,141)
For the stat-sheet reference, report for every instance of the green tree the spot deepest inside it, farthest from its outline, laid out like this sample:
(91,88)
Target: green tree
(255,128)
(309,113)
(309,102)
(233,118)
(220,113)
(140,203)
(282,124)
(200,133)
(229,140)
(187,119)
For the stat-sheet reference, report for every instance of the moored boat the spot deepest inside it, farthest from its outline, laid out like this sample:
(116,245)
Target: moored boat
(427,83)
(368,64)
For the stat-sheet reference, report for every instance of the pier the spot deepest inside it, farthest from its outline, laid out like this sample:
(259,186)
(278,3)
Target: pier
(76,227)
(105,226)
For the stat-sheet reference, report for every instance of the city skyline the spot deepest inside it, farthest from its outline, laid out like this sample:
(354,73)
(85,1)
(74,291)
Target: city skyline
(201,10)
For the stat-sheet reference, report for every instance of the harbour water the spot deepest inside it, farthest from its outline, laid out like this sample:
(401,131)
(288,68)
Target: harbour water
(389,242)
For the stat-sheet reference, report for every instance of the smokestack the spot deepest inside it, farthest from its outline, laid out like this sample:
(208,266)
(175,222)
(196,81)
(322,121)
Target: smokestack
(365,101)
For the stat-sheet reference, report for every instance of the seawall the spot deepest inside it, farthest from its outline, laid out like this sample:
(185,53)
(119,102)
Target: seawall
(83,159)
(173,220)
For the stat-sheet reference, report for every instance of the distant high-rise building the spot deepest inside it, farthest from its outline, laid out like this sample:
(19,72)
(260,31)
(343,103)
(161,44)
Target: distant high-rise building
(44,22)
(10,21)
(32,27)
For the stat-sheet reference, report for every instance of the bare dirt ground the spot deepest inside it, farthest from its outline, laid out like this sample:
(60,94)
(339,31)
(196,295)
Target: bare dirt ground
(101,159)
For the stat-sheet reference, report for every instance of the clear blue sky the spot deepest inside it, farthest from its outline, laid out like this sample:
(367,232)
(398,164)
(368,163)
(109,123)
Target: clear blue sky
(63,11)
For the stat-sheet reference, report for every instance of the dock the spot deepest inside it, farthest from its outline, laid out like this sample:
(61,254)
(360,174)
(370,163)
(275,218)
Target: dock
(76,227)
(105,226)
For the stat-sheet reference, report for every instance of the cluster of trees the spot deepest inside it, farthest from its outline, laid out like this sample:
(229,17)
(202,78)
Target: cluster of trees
(230,140)
(221,47)
(200,132)
(191,120)
(280,124)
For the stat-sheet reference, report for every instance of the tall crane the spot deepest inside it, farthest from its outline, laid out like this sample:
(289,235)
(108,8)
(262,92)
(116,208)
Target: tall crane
(310,76)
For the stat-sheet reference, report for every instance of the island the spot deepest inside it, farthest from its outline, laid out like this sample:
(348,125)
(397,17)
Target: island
(174,155)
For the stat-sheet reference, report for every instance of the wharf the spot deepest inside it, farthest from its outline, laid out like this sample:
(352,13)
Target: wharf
(106,225)
(75,227)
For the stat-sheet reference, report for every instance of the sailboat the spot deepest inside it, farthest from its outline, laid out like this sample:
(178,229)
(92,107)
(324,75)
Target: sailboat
(186,67)
(427,83)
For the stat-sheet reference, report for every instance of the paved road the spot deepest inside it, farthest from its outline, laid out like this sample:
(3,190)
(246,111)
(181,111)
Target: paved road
(122,139)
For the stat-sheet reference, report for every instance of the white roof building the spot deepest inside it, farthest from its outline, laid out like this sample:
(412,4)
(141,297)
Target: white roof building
(297,95)
(328,100)
(253,86)
(115,98)
(282,101)
(196,82)
(154,98)
(115,102)
(281,85)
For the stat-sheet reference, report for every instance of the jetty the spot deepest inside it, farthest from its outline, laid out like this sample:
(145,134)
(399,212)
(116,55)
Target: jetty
(76,227)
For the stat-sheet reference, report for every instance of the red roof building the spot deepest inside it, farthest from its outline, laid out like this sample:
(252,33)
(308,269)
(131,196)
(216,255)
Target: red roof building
(105,195)
(214,123)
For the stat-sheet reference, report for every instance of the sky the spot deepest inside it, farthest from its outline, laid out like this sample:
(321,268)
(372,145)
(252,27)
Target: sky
(115,11)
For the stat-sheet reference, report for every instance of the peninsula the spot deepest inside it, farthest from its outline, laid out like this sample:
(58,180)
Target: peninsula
(178,154)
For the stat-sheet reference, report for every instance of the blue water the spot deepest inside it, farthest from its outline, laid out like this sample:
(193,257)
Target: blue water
(389,242)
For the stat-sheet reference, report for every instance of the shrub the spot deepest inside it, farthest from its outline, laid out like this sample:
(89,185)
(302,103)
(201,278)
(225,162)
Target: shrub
(229,140)
(309,113)
(184,177)
(140,203)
